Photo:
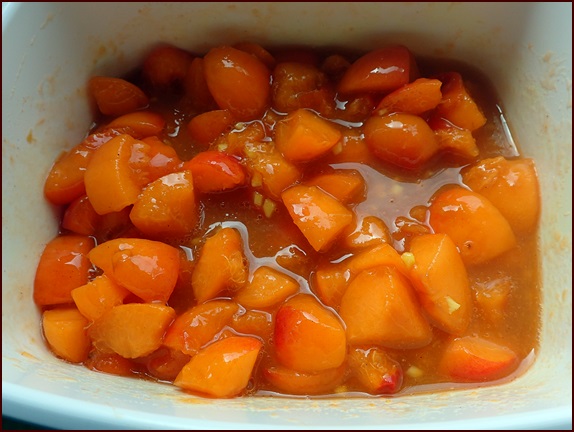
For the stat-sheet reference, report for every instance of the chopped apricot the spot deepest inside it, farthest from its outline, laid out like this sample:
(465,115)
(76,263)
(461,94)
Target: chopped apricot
(238,81)
(80,217)
(267,288)
(222,369)
(319,216)
(299,85)
(303,136)
(492,298)
(381,70)
(270,170)
(221,265)
(440,279)
(132,330)
(206,127)
(369,232)
(116,96)
(457,105)
(511,186)
(253,322)
(165,363)
(139,124)
(98,296)
(380,307)
(167,207)
(404,140)
(166,66)
(197,326)
(214,171)
(476,226)
(147,268)
(348,186)
(453,139)
(304,383)
(111,183)
(65,331)
(474,359)
(308,337)
(63,266)
(195,87)
(416,98)
(375,370)
(109,362)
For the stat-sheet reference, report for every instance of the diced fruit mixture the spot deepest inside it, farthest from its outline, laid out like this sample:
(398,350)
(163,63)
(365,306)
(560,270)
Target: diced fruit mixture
(280,221)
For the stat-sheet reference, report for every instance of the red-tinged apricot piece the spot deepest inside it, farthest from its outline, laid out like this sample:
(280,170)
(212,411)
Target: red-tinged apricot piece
(167,207)
(511,186)
(370,231)
(457,105)
(308,337)
(379,307)
(206,127)
(303,136)
(267,287)
(221,264)
(139,124)
(214,171)
(270,170)
(98,296)
(294,382)
(474,359)
(222,369)
(110,363)
(238,81)
(166,66)
(116,96)
(440,279)
(63,266)
(348,186)
(132,330)
(147,268)
(475,225)
(375,370)
(319,216)
(379,71)
(65,332)
(417,97)
(404,140)
(197,326)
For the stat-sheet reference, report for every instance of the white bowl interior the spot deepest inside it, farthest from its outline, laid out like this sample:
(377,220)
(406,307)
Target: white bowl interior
(50,49)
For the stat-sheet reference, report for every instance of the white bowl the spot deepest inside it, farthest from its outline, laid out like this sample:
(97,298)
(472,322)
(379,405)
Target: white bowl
(50,49)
